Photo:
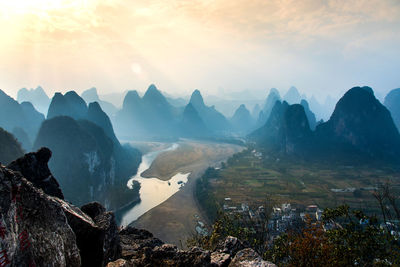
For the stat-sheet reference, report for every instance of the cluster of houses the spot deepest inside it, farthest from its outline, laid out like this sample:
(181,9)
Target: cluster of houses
(276,220)
(280,219)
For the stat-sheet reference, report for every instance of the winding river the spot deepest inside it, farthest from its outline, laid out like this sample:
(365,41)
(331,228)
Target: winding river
(153,191)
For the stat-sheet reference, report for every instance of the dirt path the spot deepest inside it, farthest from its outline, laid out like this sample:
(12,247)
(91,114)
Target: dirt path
(175,220)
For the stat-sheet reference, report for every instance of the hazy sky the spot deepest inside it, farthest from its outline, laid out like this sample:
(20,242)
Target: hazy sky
(320,47)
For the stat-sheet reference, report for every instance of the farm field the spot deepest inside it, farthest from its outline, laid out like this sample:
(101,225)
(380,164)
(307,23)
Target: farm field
(252,179)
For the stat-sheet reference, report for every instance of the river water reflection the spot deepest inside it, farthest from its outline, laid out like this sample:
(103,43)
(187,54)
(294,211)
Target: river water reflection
(153,191)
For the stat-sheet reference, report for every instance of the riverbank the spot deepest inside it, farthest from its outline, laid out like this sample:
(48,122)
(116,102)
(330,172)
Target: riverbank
(169,163)
(174,220)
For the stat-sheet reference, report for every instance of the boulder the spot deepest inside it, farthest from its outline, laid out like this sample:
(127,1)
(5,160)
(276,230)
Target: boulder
(33,227)
(249,258)
(93,209)
(97,238)
(169,255)
(134,240)
(110,239)
(219,259)
(94,235)
(33,166)
(230,246)
(120,263)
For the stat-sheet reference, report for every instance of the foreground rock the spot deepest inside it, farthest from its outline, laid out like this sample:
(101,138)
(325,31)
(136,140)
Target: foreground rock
(140,248)
(248,257)
(34,229)
(33,166)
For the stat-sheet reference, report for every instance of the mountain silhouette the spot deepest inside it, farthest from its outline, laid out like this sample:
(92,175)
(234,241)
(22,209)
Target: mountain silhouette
(151,116)
(192,125)
(10,148)
(286,132)
(70,104)
(83,150)
(15,115)
(310,115)
(292,96)
(213,119)
(37,97)
(269,103)
(242,121)
(392,102)
(91,95)
(360,124)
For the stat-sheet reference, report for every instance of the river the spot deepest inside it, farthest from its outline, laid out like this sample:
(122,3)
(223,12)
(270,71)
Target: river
(153,191)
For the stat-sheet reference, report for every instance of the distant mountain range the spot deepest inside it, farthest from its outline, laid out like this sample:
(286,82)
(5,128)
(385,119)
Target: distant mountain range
(147,117)
(91,95)
(154,117)
(37,97)
(10,149)
(290,124)
(21,119)
(392,102)
(360,127)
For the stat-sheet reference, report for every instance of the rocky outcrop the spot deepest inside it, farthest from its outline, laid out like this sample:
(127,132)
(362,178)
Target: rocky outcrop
(33,166)
(34,228)
(140,248)
(231,245)
(45,230)
(97,237)
(248,257)
(134,240)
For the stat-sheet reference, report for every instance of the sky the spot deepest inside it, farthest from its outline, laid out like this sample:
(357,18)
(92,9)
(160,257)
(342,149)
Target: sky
(321,47)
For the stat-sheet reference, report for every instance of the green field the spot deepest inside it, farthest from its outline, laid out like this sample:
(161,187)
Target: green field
(250,179)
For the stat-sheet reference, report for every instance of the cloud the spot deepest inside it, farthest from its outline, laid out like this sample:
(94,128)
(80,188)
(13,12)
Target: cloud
(204,43)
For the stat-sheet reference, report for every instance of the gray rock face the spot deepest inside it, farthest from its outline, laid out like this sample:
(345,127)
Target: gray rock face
(231,245)
(140,248)
(134,240)
(249,258)
(47,231)
(219,259)
(97,238)
(93,209)
(33,166)
(34,228)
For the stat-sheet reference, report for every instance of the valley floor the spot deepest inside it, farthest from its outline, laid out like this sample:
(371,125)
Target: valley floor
(175,220)
(252,179)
